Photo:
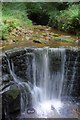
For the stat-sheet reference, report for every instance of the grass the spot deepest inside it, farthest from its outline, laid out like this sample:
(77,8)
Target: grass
(13,15)
(0,18)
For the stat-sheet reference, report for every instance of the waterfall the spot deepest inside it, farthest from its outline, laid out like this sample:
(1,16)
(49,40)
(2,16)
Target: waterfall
(23,86)
(45,78)
(44,81)
(73,75)
(71,72)
(48,76)
(46,72)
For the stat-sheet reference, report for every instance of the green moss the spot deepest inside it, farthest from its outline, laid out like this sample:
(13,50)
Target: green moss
(13,93)
(54,35)
(36,35)
(63,39)
(41,41)
(67,40)
(44,34)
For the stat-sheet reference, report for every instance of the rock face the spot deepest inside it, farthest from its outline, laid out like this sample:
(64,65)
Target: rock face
(72,73)
(6,78)
(11,101)
(19,60)
(5,68)
(12,92)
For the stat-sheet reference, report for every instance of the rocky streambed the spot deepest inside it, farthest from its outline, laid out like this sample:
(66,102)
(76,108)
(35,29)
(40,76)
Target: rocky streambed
(38,36)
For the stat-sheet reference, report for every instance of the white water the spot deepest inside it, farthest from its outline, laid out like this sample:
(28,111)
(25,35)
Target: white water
(47,87)
(45,71)
(21,85)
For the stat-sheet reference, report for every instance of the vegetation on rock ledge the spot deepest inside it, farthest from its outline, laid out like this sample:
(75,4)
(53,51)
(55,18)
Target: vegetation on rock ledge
(63,15)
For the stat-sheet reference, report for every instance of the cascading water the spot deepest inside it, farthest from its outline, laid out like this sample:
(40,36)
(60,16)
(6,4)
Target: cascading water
(45,78)
(21,85)
(73,75)
(48,82)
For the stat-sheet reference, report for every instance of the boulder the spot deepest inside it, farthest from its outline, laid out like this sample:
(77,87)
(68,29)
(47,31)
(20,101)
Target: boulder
(11,99)
(40,41)
(37,41)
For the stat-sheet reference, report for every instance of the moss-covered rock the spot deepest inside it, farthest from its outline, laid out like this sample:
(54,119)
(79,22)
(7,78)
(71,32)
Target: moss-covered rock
(6,78)
(63,38)
(39,41)
(54,34)
(11,99)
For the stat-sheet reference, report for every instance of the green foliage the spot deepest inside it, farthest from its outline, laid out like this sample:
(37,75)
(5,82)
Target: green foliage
(62,15)
(13,15)
(67,20)
(0,18)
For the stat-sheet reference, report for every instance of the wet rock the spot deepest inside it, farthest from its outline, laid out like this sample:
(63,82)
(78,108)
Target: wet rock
(18,57)
(37,41)
(44,34)
(6,78)
(77,41)
(66,39)
(11,99)
(62,38)
(52,108)
(27,38)
(14,34)
(5,86)
(47,29)
(30,110)
(5,69)
(41,41)
(55,38)
(36,35)
(55,35)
